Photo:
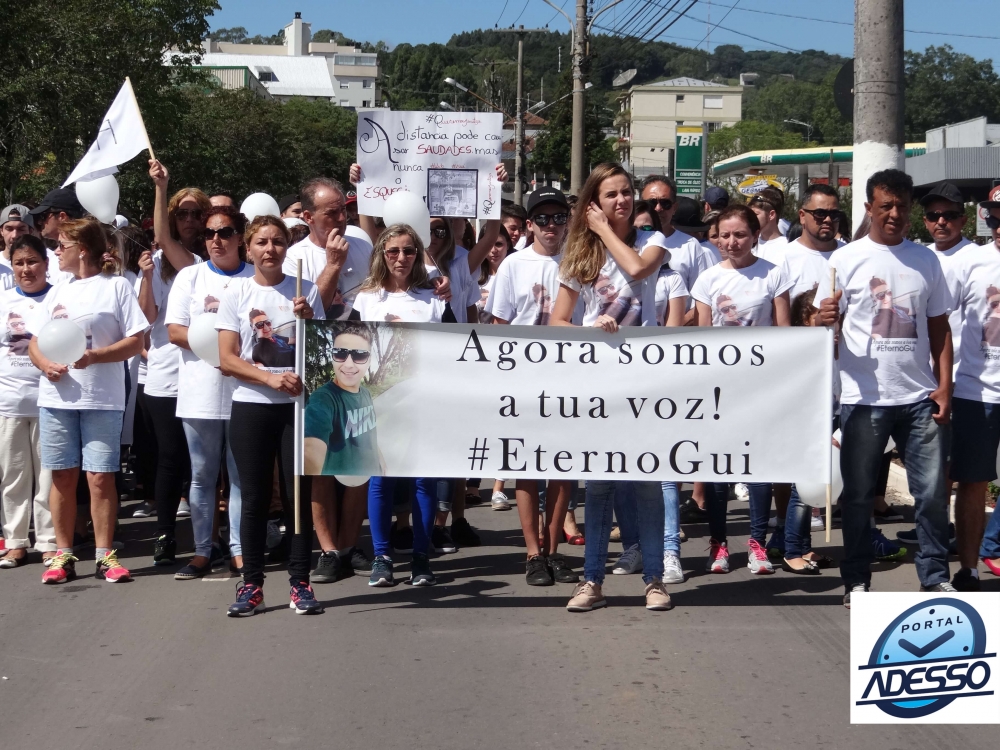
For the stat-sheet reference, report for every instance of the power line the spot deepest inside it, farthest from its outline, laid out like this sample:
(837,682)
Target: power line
(715,26)
(522,12)
(749,36)
(501,12)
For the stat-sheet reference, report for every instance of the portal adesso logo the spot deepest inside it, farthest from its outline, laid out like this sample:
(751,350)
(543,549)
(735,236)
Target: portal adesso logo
(924,660)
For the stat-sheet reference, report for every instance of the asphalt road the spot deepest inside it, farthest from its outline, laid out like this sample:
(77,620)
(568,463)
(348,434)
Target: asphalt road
(481,660)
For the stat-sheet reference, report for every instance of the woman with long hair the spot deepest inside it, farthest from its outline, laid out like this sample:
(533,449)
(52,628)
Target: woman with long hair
(82,404)
(256,324)
(398,289)
(611,265)
(742,290)
(204,394)
(23,313)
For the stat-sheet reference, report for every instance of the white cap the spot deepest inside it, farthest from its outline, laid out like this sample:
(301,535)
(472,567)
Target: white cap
(294,221)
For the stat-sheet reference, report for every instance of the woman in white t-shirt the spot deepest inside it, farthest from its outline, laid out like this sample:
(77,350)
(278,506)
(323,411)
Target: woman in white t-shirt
(488,271)
(81,405)
(742,290)
(612,266)
(397,290)
(22,314)
(204,394)
(256,324)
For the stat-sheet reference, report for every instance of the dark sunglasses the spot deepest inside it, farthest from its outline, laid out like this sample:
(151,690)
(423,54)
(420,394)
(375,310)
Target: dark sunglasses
(439,232)
(993,222)
(224,233)
(261,325)
(936,216)
(727,308)
(661,204)
(41,218)
(393,252)
(188,213)
(881,295)
(822,214)
(647,228)
(542,220)
(360,356)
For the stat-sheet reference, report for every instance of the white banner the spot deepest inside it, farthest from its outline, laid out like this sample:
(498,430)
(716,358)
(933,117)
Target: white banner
(447,158)
(683,404)
(120,137)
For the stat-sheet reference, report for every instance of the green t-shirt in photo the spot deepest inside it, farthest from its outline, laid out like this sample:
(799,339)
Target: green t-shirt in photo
(345,421)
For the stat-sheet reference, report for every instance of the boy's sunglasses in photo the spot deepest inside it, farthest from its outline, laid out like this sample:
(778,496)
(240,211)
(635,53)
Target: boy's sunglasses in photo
(360,356)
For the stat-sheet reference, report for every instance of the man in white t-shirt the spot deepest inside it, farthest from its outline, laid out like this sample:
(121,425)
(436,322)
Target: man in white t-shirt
(807,259)
(768,205)
(895,362)
(686,254)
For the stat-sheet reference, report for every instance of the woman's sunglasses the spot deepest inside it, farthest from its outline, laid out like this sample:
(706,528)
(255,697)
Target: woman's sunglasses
(542,220)
(439,232)
(188,213)
(393,252)
(224,233)
(360,356)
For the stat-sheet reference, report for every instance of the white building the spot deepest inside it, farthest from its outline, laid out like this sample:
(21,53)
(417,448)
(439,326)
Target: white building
(345,76)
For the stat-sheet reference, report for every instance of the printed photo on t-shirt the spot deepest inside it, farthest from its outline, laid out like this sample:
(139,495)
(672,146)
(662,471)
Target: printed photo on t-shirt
(731,314)
(273,344)
(211,304)
(892,318)
(59,312)
(627,311)
(16,336)
(991,326)
(544,301)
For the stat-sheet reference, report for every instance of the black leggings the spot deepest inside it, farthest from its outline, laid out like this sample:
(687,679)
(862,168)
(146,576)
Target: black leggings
(173,462)
(259,434)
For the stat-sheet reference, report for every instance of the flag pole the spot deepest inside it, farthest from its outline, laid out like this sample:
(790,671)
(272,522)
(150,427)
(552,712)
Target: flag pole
(149,146)
(829,484)
(300,356)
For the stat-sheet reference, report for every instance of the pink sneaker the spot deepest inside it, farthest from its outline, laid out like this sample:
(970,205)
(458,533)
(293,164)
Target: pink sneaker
(61,569)
(111,570)
(758,563)
(718,557)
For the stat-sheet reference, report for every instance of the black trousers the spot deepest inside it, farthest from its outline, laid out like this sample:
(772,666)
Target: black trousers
(173,462)
(144,446)
(259,435)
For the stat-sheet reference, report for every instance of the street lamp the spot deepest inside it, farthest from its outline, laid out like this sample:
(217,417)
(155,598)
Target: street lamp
(445,105)
(806,125)
(465,89)
(566,96)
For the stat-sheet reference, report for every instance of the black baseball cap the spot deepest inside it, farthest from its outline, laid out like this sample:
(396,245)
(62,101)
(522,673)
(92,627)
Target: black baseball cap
(546,195)
(943,191)
(287,201)
(60,199)
(687,215)
(717,198)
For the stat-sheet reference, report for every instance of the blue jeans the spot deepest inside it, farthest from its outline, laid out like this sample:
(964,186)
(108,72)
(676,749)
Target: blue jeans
(380,497)
(206,439)
(671,517)
(647,499)
(991,539)
(798,533)
(717,500)
(866,430)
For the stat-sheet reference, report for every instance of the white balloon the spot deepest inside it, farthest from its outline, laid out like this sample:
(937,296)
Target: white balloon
(890,445)
(99,197)
(62,341)
(260,204)
(814,495)
(204,339)
(349,481)
(408,208)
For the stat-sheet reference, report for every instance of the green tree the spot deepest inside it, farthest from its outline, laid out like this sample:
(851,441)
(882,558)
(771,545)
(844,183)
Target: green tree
(944,86)
(552,154)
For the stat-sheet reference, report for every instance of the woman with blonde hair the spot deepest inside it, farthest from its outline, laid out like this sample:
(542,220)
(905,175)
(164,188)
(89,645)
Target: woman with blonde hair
(612,266)
(82,404)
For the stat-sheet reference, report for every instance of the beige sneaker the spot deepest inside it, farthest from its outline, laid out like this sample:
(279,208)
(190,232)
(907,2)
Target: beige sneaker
(586,597)
(616,534)
(657,598)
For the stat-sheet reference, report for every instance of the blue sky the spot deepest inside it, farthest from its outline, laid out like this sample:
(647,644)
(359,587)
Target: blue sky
(424,21)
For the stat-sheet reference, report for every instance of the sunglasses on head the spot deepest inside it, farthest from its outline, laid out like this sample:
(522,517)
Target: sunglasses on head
(542,220)
(393,252)
(260,325)
(359,356)
(822,214)
(936,216)
(439,232)
(188,213)
(993,222)
(661,204)
(224,233)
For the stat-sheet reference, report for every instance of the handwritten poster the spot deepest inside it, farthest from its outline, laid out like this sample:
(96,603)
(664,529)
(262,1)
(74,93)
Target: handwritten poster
(447,158)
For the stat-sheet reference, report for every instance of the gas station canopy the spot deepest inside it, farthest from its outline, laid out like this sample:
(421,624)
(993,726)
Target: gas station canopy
(802,163)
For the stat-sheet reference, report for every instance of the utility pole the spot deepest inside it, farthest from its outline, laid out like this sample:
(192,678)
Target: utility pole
(519,121)
(878,94)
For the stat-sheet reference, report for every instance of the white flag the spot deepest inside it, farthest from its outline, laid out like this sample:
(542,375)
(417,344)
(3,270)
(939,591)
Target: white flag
(121,136)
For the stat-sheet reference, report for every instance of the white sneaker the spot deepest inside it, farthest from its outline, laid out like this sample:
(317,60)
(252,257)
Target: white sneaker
(817,524)
(629,562)
(500,501)
(742,492)
(184,509)
(672,570)
(758,563)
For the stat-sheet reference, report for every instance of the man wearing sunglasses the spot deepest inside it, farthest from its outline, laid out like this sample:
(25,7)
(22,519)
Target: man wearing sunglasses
(57,207)
(686,255)
(807,259)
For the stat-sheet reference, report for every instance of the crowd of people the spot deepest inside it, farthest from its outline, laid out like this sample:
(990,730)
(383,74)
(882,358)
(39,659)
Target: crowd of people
(141,416)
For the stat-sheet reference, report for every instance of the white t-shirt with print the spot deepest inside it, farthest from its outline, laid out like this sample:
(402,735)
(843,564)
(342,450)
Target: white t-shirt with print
(107,310)
(808,269)
(742,296)
(885,354)
(203,392)
(974,281)
(687,256)
(615,293)
(352,274)
(22,316)
(772,250)
(465,290)
(414,306)
(162,357)
(275,352)
(948,265)
(669,285)
(526,288)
